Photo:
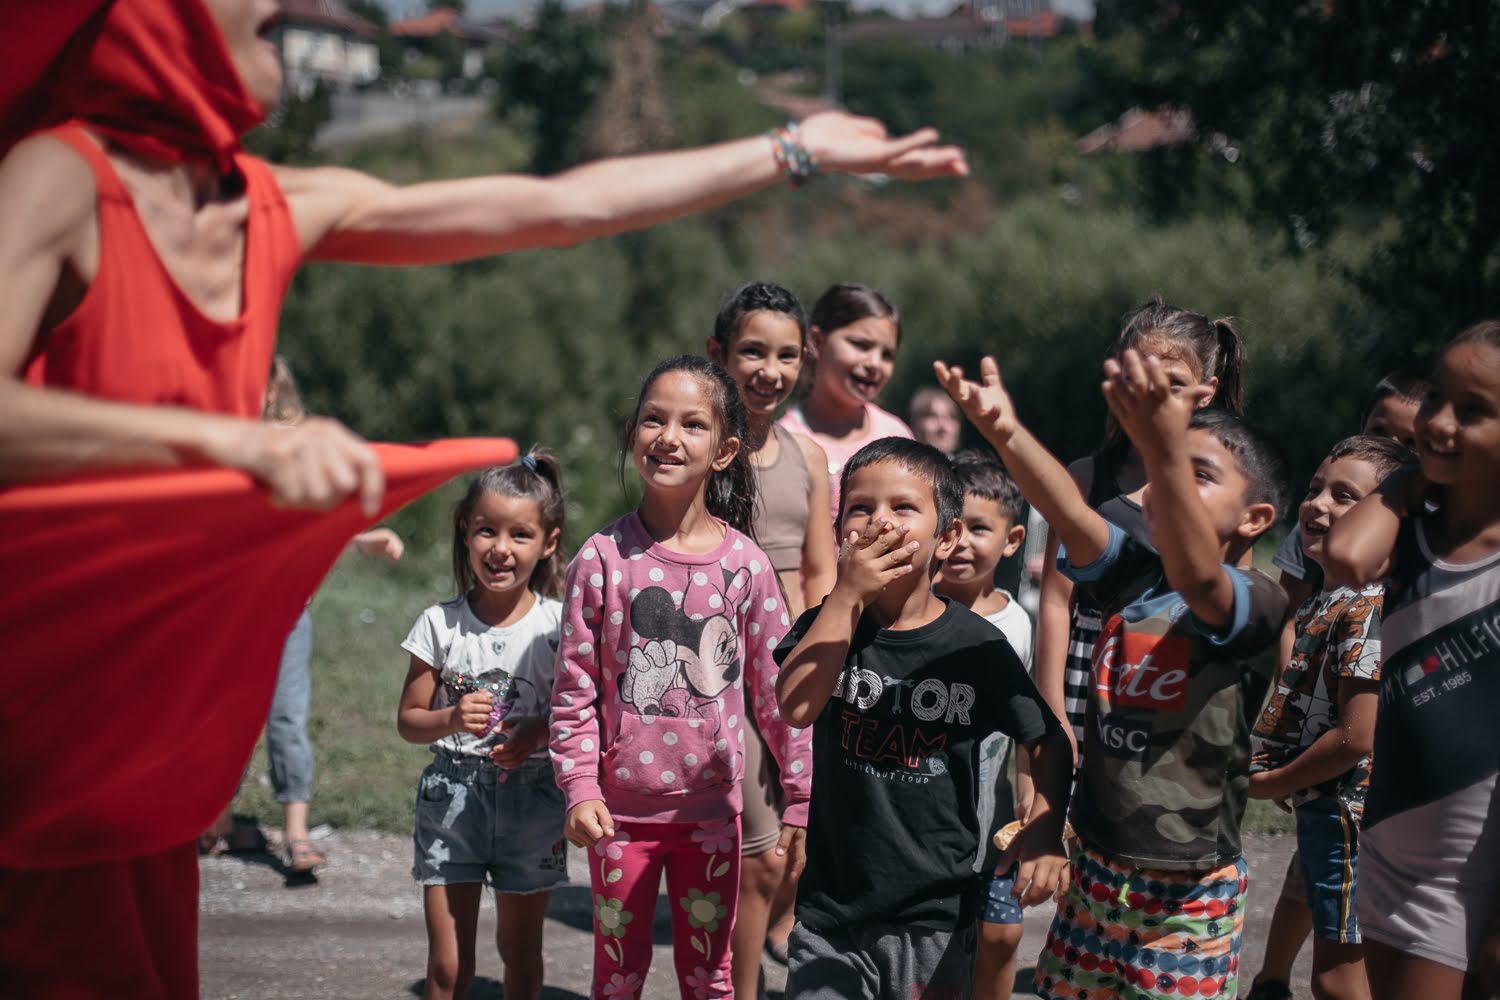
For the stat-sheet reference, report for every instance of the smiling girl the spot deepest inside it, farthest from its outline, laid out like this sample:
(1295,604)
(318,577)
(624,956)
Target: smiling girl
(1429,868)
(760,337)
(854,335)
(488,810)
(671,615)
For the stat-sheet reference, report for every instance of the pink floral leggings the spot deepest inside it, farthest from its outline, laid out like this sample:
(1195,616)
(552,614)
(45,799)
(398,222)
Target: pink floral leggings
(703,879)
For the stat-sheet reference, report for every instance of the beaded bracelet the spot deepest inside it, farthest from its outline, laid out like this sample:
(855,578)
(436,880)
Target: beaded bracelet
(791,155)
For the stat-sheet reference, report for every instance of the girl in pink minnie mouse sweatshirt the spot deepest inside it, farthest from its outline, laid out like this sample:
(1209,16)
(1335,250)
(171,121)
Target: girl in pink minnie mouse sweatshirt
(670,617)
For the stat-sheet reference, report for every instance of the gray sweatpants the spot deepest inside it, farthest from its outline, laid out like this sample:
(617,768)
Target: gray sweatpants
(876,962)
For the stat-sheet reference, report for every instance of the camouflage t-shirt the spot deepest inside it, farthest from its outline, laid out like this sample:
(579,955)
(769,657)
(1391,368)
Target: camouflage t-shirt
(1338,638)
(1167,743)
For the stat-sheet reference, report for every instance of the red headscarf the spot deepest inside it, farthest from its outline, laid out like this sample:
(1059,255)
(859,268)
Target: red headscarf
(152,75)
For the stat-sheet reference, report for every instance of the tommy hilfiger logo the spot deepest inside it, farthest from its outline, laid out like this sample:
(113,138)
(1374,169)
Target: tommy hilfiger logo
(1450,652)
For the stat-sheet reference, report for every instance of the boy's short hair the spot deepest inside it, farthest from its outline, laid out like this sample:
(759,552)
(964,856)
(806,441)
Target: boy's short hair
(1385,455)
(983,475)
(1402,384)
(1258,462)
(925,461)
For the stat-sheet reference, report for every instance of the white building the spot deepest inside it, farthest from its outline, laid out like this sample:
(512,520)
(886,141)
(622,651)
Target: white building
(322,40)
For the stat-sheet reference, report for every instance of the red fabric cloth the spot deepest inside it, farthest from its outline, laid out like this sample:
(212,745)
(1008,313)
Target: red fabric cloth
(118,930)
(196,362)
(152,75)
(143,622)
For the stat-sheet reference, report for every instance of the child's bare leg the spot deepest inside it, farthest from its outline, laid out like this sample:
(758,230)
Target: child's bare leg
(1395,975)
(518,935)
(760,877)
(452,921)
(1339,971)
(1291,923)
(783,905)
(995,960)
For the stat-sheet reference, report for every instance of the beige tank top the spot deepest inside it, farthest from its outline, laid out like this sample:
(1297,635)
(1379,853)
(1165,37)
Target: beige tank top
(783,489)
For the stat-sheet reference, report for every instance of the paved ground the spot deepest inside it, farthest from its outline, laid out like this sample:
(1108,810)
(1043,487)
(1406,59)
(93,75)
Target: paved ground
(357,930)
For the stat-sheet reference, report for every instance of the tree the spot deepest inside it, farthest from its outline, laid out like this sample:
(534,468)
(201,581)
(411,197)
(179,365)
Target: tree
(556,71)
(1378,114)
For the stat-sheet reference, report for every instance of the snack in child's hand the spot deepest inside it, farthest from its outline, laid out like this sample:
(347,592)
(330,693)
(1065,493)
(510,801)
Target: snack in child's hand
(1007,833)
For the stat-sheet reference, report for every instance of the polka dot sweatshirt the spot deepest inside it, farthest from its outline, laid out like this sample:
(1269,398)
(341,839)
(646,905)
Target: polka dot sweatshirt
(658,650)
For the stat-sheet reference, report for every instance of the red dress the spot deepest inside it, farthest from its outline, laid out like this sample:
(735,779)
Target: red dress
(144,613)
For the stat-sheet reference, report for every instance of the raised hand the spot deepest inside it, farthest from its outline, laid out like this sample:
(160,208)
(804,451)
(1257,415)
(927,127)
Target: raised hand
(845,143)
(986,403)
(1140,396)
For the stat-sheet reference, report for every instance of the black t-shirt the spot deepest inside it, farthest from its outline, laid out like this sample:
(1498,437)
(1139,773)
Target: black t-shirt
(893,824)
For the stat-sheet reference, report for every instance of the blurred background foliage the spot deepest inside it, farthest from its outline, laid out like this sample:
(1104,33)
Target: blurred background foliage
(1337,199)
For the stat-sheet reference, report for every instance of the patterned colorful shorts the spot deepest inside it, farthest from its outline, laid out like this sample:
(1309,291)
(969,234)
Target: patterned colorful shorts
(1137,933)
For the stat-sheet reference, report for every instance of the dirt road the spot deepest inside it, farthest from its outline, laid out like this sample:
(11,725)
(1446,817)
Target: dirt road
(357,931)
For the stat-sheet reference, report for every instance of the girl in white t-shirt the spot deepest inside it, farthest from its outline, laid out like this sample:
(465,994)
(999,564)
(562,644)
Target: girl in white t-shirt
(488,808)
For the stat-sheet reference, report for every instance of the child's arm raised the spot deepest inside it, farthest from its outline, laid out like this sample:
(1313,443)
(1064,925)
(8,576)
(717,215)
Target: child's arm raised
(1359,544)
(1156,419)
(1042,479)
(575,694)
(810,672)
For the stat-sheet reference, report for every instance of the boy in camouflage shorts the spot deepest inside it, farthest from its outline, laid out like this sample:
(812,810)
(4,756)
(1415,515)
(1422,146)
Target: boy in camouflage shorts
(1155,905)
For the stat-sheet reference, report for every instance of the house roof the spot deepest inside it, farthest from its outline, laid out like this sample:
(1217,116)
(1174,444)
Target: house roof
(447,21)
(330,14)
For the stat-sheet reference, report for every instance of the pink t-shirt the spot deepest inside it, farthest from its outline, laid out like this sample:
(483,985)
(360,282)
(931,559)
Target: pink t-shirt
(839,451)
(658,649)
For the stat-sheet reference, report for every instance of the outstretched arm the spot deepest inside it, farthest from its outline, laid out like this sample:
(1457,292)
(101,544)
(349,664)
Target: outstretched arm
(1156,419)
(349,216)
(1042,479)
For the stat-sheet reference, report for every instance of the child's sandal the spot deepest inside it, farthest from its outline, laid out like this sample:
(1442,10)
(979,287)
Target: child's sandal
(302,856)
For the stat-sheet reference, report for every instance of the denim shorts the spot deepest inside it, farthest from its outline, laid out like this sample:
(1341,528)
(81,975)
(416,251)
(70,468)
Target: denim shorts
(480,823)
(1328,844)
(996,904)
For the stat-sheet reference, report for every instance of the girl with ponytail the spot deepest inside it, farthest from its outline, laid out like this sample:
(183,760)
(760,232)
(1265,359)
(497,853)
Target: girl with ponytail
(671,614)
(478,690)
